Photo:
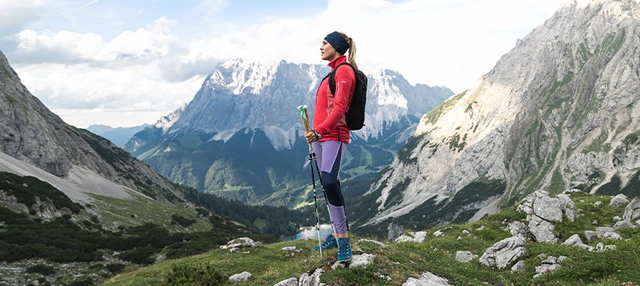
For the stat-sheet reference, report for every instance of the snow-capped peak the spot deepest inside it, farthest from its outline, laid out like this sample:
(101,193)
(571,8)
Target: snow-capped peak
(237,75)
(388,92)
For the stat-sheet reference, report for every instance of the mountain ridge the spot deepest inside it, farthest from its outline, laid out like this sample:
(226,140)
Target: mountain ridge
(555,113)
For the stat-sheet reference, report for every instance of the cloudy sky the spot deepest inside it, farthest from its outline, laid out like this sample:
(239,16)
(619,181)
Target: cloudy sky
(129,62)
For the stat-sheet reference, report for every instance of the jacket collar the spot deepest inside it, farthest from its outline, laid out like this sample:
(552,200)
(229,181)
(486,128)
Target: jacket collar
(341,59)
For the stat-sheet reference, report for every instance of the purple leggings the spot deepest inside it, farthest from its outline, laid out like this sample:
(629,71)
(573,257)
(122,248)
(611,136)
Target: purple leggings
(330,155)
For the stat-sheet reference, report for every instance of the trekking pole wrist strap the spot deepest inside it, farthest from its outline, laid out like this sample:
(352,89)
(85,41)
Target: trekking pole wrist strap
(318,136)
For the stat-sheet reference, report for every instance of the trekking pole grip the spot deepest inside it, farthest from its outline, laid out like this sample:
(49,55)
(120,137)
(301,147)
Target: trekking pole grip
(305,117)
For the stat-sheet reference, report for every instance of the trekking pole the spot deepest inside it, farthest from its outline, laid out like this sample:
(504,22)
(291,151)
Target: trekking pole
(305,122)
(333,228)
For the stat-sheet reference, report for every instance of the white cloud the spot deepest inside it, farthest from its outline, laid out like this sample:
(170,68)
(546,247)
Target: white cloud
(145,44)
(16,15)
(142,45)
(62,46)
(82,86)
(82,71)
(434,42)
(155,67)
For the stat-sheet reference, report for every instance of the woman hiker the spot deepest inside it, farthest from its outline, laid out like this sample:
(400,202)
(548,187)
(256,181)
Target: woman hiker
(330,135)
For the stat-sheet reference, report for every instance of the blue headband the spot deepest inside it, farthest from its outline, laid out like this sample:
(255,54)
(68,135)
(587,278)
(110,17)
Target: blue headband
(337,42)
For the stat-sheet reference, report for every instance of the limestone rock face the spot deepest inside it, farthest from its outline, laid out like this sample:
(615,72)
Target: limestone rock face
(33,134)
(558,112)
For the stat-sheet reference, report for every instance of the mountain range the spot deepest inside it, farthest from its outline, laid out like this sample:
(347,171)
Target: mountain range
(118,135)
(241,136)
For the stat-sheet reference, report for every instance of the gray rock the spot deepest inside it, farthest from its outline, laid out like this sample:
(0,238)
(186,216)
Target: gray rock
(520,229)
(465,256)
(313,279)
(575,240)
(632,210)
(549,264)
(623,224)
(235,278)
(604,229)
(427,279)
(362,260)
(543,230)
(503,252)
(412,237)
(236,244)
(288,282)
(358,260)
(619,200)
(590,234)
(519,266)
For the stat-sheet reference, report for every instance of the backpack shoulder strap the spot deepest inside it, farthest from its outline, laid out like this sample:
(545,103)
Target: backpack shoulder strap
(332,80)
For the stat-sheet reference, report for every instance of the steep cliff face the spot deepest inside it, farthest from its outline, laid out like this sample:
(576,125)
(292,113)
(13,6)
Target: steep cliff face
(34,135)
(30,132)
(560,111)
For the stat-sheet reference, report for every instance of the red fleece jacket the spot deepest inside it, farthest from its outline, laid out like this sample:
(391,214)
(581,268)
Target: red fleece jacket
(328,116)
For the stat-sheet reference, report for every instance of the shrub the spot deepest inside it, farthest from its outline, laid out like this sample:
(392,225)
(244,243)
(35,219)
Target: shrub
(42,269)
(200,274)
(184,222)
(140,255)
(84,281)
(115,267)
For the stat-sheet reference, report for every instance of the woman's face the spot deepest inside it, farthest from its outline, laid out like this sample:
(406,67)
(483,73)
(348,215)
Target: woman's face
(327,52)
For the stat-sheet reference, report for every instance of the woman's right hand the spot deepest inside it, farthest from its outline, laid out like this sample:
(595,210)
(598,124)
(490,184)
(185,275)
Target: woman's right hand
(312,136)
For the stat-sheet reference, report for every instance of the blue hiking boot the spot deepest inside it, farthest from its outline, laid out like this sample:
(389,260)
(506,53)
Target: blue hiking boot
(329,242)
(344,250)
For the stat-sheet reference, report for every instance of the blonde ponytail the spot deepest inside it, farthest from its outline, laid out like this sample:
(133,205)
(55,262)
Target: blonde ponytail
(351,57)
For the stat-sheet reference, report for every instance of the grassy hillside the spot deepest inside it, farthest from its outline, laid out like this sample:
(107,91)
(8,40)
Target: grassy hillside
(46,237)
(396,262)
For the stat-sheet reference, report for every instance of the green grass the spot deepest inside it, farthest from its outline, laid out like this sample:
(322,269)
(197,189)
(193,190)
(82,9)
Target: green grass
(399,261)
(139,210)
(434,114)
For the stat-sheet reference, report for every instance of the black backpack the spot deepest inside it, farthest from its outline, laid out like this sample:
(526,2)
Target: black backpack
(355,114)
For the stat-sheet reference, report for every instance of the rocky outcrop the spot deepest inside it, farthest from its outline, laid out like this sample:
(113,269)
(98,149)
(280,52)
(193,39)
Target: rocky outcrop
(542,207)
(558,112)
(542,211)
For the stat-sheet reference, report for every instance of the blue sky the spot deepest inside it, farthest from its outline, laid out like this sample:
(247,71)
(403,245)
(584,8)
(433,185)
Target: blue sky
(126,63)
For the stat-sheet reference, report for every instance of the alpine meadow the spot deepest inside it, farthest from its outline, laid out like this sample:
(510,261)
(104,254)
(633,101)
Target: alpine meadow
(529,177)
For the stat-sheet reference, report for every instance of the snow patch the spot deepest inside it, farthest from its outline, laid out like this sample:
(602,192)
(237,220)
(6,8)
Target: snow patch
(388,92)
(280,139)
(249,75)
